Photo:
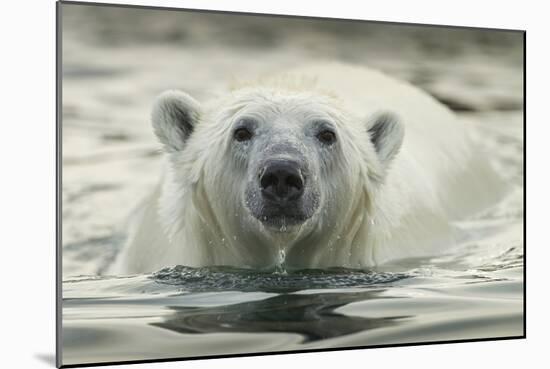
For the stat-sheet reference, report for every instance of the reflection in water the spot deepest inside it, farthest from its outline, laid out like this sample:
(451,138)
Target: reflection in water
(313,316)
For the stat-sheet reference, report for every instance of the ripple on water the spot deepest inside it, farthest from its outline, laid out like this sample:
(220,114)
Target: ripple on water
(226,278)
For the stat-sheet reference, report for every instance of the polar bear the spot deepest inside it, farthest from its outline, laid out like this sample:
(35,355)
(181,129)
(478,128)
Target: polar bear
(324,166)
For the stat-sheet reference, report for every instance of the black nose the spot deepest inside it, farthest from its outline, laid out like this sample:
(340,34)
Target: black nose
(282,181)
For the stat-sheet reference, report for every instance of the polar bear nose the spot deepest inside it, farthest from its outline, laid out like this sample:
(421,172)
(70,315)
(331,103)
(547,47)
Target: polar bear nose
(282,181)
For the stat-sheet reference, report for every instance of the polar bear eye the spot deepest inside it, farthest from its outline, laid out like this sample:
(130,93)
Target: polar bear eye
(242,134)
(327,137)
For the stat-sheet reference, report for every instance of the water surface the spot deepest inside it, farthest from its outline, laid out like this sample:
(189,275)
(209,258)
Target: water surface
(186,312)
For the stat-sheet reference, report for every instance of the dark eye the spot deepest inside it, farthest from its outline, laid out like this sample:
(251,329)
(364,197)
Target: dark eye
(327,137)
(242,134)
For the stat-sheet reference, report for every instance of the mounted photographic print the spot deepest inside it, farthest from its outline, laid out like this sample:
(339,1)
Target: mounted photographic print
(239,184)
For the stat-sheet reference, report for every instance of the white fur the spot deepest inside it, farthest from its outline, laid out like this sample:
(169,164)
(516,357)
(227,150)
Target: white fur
(390,204)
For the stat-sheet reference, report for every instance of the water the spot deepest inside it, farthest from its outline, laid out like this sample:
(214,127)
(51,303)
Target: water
(111,159)
(476,291)
(186,312)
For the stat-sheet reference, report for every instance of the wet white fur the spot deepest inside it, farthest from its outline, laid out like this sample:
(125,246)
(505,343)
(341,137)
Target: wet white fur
(395,203)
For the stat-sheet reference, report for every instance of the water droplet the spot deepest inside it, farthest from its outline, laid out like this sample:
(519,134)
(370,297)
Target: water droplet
(282,257)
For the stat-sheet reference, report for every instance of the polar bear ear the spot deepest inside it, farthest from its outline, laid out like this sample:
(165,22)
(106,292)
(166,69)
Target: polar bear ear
(386,133)
(175,115)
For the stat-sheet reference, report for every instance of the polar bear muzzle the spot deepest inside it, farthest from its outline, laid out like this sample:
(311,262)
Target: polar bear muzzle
(281,182)
(281,196)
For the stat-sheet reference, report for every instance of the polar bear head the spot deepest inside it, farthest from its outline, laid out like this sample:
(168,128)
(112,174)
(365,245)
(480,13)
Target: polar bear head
(264,167)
